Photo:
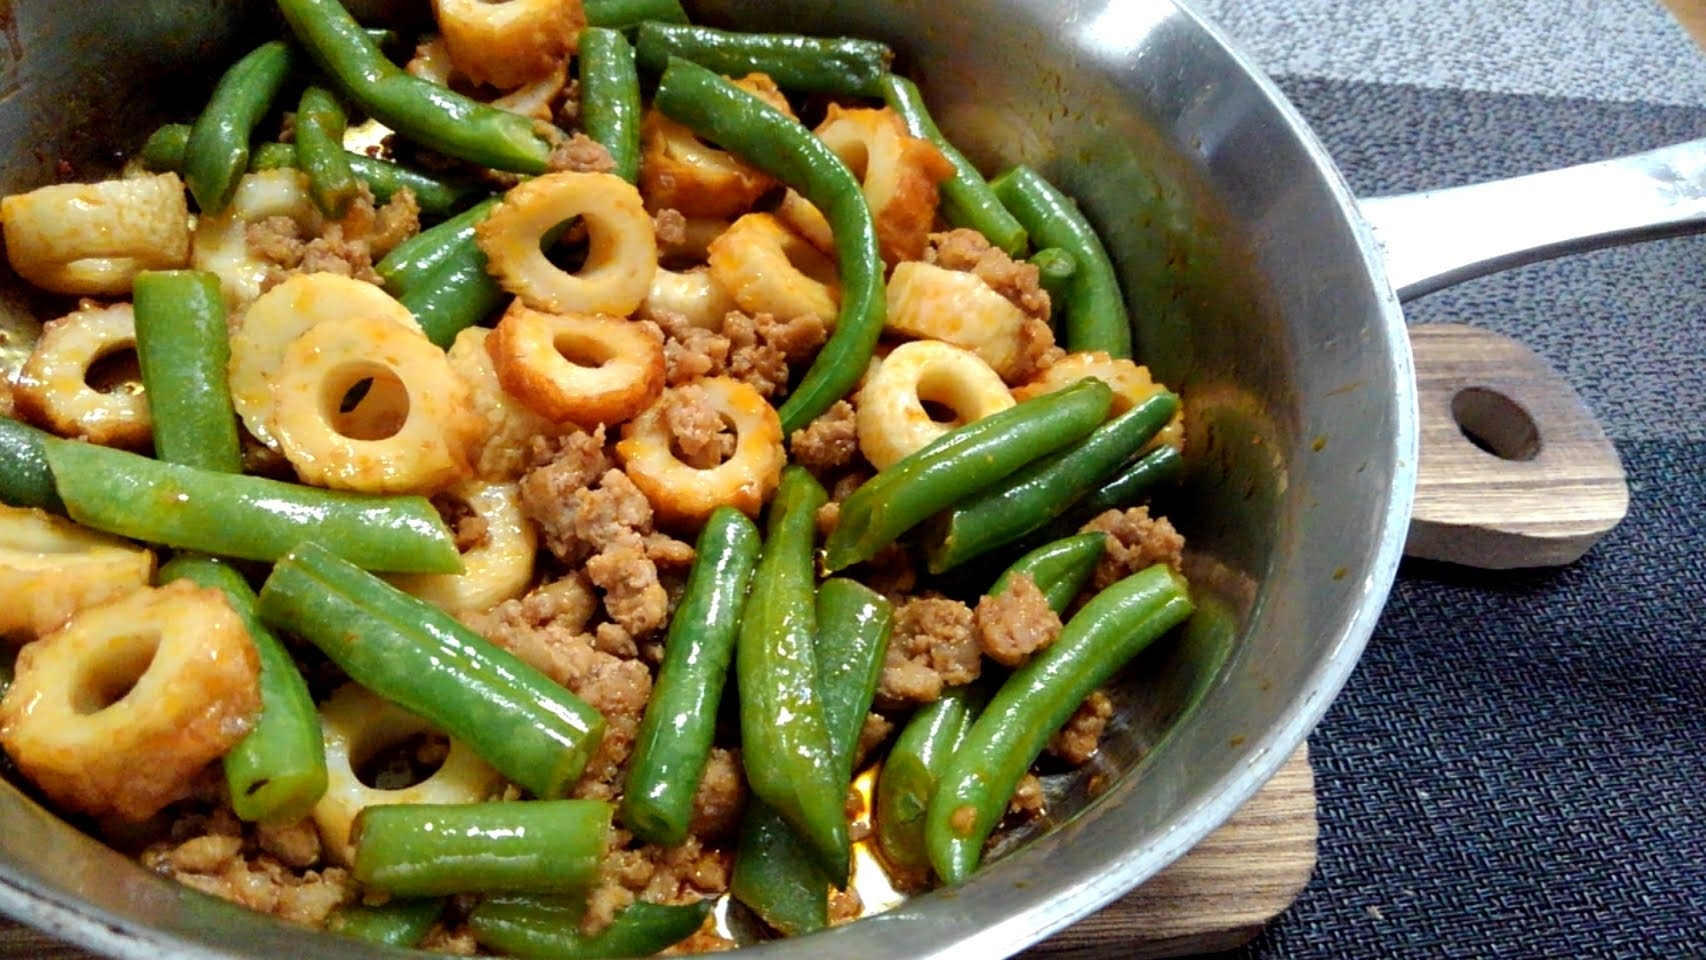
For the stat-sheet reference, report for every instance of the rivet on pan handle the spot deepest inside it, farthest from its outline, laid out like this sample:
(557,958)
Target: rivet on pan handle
(1515,471)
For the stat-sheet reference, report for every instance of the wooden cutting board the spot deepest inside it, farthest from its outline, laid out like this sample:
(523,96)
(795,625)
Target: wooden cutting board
(1216,898)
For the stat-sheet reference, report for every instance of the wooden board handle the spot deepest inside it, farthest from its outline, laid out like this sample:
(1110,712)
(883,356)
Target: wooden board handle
(1515,471)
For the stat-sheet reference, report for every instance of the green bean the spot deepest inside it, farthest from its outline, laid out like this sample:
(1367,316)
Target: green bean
(1028,500)
(910,770)
(967,200)
(785,745)
(1056,269)
(744,124)
(320,152)
(1034,702)
(435,196)
(457,294)
(627,14)
(674,740)
(1095,310)
(163,151)
(1132,486)
(244,517)
(417,109)
(277,772)
(960,463)
(410,265)
(839,65)
(548,928)
(26,480)
(437,849)
(397,922)
(183,346)
(216,153)
(408,651)
(775,873)
(610,97)
(1060,568)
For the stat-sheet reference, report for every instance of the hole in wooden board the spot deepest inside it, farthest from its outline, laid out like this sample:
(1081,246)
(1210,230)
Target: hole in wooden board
(1496,423)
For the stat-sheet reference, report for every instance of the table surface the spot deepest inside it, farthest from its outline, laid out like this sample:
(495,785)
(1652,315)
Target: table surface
(1516,765)
(1515,768)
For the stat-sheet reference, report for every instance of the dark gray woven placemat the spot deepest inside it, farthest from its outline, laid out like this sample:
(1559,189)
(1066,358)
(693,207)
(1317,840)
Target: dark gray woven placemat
(1518,766)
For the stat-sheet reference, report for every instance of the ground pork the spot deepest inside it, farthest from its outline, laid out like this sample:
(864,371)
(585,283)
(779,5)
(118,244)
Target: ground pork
(548,629)
(690,352)
(681,874)
(1016,624)
(1135,541)
(932,645)
(1076,742)
(762,346)
(828,444)
(670,227)
(265,870)
(1028,797)
(721,796)
(348,247)
(701,438)
(581,154)
(970,251)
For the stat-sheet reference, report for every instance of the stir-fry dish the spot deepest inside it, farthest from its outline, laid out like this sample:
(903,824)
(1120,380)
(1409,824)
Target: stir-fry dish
(582,474)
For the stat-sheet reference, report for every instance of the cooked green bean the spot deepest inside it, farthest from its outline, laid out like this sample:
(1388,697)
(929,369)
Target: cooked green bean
(1134,485)
(610,97)
(960,463)
(438,849)
(785,745)
(216,153)
(1036,701)
(277,772)
(775,873)
(1060,569)
(910,771)
(967,200)
(841,65)
(408,651)
(410,265)
(1056,269)
(26,480)
(183,346)
(320,152)
(548,928)
(627,14)
(436,196)
(1029,499)
(1095,309)
(398,922)
(245,517)
(418,109)
(457,294)
(674,740)
(744,124)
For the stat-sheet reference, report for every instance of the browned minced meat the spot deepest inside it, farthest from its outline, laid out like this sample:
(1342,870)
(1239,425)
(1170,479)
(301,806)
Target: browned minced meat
(762,346)
(264,869)
(1028,799)
(872,733)
(548,629)
(348,247)
(670,227)
(721,796)
(828,444)
(469,528)
(680,874)
(969,251)
(590,513)
(702,440)
(1016,624)
(691,352)
(1076,742)
(1135,541)
(581,154)
(932,645)
(845,906)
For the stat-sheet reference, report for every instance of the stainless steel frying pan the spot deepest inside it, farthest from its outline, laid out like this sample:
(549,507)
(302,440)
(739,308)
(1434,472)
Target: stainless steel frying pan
(1260,288)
